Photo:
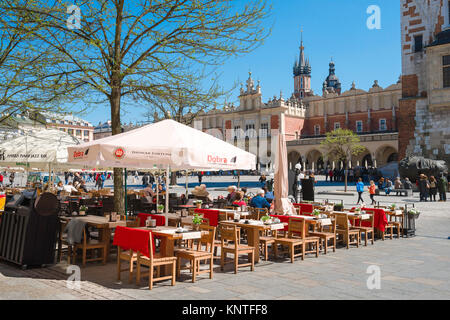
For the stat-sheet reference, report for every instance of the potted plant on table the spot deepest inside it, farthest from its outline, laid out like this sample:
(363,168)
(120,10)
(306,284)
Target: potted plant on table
(393,207)
(338,207)
(199,203)
(316,213)
(160,208)
(197,221)
(82,211)
(265,219)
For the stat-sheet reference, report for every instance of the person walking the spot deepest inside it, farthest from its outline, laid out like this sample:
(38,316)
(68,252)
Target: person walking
(433,188)
(66,177)
(262,180)
(200,177)
(423,187)
(1,180)
(330,173)
(372,191)
(360,190)
(442,187)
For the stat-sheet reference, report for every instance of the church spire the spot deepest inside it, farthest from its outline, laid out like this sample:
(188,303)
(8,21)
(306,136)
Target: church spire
(302,67)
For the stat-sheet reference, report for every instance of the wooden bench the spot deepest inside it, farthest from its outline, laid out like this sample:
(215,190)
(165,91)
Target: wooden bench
(402,192)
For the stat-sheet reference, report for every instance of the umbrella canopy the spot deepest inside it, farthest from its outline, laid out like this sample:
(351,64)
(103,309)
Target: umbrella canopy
(37,149)
(281,183)
(161,145)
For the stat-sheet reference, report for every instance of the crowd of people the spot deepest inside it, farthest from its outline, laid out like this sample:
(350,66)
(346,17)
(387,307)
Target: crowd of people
(353,174)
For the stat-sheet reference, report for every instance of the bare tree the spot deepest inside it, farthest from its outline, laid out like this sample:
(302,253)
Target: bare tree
(122,48)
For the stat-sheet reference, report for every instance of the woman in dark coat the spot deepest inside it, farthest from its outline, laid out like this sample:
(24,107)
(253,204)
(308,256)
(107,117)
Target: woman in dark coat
(423,187)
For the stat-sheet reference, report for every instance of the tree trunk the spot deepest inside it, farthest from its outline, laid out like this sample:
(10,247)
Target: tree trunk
(119,199)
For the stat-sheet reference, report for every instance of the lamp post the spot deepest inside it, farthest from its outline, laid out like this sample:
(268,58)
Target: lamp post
(297,183)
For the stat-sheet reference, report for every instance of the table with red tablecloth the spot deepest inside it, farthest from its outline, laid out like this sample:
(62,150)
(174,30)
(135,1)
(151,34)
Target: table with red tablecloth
(211,215)
(160,219)
(304,207)
(134,239)
(380,219)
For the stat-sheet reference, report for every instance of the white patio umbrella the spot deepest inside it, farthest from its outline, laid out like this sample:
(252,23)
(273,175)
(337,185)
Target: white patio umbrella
(163,145)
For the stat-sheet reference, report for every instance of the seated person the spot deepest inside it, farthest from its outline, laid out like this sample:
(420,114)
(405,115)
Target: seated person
(83,187)
(408,184)
(231,195)
(201,193)
(269,195)
(69,188)
(398,184)
(239,202)
(381,184)
(60,187)
(148,191)
(388,188)
(259,201)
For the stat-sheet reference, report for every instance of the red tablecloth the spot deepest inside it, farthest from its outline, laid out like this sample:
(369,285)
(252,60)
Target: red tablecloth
(380,219)
(283,219)
(304,207)
(134,239)
(160,219)
(212,215)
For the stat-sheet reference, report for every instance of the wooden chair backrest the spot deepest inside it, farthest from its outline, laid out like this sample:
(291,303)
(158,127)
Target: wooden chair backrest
(331,228)
(297,228)
(342,221)
(257,213)
(205,221)
(229,234)
(207,240)
(229,208)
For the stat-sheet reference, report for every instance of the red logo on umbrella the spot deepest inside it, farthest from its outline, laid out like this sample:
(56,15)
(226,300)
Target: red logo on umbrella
(119,153)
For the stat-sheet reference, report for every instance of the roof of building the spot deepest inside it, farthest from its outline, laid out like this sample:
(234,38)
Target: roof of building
(441,38)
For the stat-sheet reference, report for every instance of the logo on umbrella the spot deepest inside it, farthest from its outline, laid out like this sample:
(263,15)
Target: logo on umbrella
(2,154)
(233,160)
(86,152)
(119,153)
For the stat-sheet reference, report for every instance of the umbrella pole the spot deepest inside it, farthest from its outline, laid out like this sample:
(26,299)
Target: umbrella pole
(167,195)
(187,184)
(126,192)
(157,192)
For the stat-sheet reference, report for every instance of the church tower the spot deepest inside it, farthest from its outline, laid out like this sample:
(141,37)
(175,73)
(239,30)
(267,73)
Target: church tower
(302,74)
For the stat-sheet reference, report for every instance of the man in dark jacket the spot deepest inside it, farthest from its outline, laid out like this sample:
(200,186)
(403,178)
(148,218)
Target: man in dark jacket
(442,185)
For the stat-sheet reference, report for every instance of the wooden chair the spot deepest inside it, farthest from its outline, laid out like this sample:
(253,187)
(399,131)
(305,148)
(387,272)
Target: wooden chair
(195,256)
(268,239)
(368,230)
(393,223)
(296,238)
(326,233)
(348,233)
(90,245)
(131,258)
(154,261)
(230,243)
(257,213)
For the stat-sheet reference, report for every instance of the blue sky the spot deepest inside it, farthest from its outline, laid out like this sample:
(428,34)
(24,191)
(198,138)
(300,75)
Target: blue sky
(331,28)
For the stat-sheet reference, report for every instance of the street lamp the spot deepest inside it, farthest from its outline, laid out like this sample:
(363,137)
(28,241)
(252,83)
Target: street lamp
(297,182)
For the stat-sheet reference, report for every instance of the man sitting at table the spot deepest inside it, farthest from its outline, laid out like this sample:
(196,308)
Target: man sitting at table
(231,195)
(69,188)
(82,186)
(148,191)
(201,193)
(259,201)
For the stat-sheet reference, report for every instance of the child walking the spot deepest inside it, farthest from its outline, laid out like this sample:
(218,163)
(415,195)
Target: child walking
(372,189)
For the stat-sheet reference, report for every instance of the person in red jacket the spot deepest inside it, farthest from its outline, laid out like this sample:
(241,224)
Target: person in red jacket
(1,180)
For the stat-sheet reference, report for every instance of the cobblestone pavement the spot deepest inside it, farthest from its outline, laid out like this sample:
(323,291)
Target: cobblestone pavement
(413,268)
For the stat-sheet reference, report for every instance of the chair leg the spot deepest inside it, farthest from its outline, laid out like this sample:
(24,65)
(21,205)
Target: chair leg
(150,278)
(291,252)
(178,267)
(211,267)
(317,249)
(138,273)
(334,244)
(130,272)
(236,262)
(194,269)
(222,257)
(303,251)
(84,257)
(253,261)
(325,245)
(174,267)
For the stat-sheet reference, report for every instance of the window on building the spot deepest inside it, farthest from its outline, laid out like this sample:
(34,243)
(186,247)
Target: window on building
(446,71)
(337,125)
(237,132)
(383,126)
(264,132)
(418,43)
(250,131)
(62,129)
(317,130)
(86,133)
(70,131)
(359,126)
(78,132)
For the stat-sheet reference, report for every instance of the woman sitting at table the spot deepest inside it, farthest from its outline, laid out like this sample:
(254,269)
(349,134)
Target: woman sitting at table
(239,200)
(69,188)
(201,193)
(148,191)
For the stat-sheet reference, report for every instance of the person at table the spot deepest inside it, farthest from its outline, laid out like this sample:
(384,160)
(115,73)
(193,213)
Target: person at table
(148,191)
(59,187)
(82,186)
(201,193)
(239,202)
(381,184)
(269,195)
(69,188)
(231,197)
(259,201)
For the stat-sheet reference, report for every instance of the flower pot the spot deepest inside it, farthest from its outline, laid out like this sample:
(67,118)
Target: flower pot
(196,227)
(413,216)
(82,213)
(199,205)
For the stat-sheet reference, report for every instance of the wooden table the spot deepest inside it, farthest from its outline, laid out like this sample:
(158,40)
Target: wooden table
(167,247)
(103,225)
(253,232)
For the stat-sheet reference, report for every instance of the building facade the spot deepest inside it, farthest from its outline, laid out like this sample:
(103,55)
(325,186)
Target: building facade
(77,127)
(305,118)
(424,109)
